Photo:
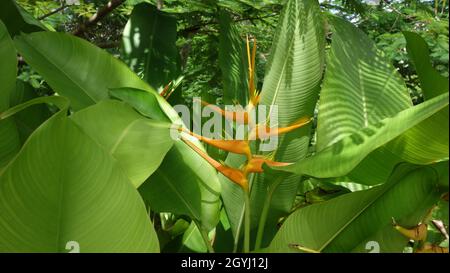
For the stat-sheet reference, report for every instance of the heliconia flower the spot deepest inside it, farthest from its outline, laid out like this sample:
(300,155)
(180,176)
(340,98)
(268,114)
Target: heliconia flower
(256,163)
(235,175)
(258,133)
(233,146)
(240,117)
(253,94)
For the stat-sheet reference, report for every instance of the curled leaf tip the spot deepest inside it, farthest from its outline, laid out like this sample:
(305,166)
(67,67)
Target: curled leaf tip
(430,248)
(255,165)
(418,233)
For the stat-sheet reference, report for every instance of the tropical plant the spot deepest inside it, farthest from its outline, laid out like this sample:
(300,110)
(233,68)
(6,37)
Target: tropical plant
(104,162)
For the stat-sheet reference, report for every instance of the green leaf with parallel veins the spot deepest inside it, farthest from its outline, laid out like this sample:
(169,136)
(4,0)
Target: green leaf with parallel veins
(163,184)
(233,62)
(342,157)
(63,188)
(351,222)
(144,102)
(18,19)
(149,45)
(9,135)
(137,143)
(75,68)
(292,83)
(8,67)
(193,189)
(103,192)
(424,143)
(85,74)
(31,118)
(184,184)
(360,86)
(431,82)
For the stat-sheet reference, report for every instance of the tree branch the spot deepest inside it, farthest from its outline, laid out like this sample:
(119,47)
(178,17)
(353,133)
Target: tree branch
(109,44)
(102,12)
(52,12)
(196,28)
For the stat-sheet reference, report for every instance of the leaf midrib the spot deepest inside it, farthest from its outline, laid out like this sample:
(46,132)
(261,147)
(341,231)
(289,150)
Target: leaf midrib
(177,192)
(360,212)
(277,89)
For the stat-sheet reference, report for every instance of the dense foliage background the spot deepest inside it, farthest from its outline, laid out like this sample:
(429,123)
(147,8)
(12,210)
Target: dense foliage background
(198,32)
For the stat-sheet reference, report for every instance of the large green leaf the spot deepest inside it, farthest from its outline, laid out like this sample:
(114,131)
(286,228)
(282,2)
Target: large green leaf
(233,62)
(63,188)
(352,221)
(428,142)
(137,143)
(9,135)
(17,19)
(431,82)
(85,74)
(31,118)
(144,102)
(184,183)
(8,67)
(360,86)
(424,143)
(75,68)
(9,141)
(190,242)
(292,81)
(174,191)
(149,45)
(340,158)
(81,71)
(233,196)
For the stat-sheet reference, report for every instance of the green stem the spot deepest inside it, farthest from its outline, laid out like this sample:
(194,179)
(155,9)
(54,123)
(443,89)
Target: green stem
(205,237)
(262,220)
(265,212)
(236,239)
(247,222)
(238,231)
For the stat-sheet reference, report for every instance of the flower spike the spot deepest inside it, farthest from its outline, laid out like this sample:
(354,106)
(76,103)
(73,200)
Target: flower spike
(235,175)
(253,94)
(256,163)
(258,133)
(233,146)
(240,117)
